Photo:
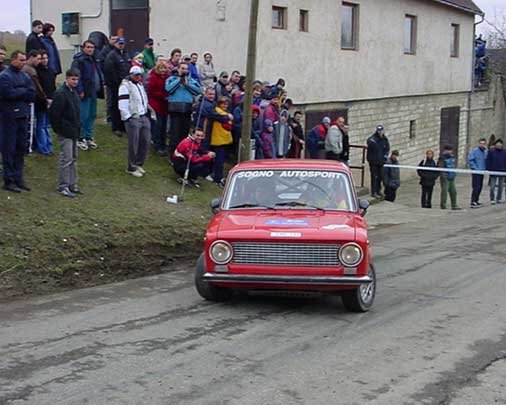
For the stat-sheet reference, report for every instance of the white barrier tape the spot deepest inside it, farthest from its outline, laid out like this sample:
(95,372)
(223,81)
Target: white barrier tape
(442,169)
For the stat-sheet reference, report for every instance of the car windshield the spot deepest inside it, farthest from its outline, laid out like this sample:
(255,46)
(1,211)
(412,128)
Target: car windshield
(290,189)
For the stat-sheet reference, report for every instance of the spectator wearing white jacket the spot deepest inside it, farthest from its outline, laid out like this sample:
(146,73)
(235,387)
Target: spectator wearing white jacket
(134,109)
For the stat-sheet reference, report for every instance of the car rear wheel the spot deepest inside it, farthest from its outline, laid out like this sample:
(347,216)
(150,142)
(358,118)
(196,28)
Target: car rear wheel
(361,299)
(206,289)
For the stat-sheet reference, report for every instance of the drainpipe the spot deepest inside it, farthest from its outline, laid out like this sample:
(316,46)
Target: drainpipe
(470,94)
(97,15)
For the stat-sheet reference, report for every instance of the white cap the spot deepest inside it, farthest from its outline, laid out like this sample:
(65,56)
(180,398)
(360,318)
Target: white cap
(136,70)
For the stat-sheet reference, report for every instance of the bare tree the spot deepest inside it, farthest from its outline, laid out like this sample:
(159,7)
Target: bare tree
(496,37)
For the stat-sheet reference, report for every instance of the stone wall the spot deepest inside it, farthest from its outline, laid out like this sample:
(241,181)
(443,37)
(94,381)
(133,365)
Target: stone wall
(488,112)
(488,115)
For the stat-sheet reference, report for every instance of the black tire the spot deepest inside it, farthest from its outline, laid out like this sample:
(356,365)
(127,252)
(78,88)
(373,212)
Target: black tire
(207,290)
(361,299)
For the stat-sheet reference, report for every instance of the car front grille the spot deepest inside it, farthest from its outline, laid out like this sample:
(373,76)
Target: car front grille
(286,254)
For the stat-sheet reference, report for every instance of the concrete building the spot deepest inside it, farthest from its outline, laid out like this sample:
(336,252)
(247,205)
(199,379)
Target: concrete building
(404,63)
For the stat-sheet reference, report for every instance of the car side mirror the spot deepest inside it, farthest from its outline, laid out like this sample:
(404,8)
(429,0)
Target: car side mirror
(363,205)
(215,205)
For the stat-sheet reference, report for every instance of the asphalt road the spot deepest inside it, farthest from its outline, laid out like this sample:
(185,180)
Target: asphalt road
(436,335)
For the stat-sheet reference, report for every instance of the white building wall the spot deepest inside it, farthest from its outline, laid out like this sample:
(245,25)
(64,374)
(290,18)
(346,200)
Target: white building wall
(379,68)
(195,26)
(315,67)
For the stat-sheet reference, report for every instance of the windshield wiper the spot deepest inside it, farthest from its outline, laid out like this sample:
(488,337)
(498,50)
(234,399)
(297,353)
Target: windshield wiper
(298,204)
(251,205)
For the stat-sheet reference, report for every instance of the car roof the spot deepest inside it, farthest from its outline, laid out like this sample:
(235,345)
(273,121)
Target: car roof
(292,164)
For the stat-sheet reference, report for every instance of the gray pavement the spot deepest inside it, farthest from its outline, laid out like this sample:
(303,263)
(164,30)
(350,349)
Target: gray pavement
(436,335)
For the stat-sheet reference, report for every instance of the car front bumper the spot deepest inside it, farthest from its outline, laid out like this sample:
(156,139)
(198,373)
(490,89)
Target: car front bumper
(278,279)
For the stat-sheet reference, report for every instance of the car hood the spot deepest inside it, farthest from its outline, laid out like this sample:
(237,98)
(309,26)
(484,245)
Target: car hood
(300,224)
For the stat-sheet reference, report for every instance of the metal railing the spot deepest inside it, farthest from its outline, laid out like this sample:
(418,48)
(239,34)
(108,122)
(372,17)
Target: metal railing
(361,166)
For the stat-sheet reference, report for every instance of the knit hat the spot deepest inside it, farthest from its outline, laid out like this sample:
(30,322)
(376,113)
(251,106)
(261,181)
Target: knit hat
(326,120)
(379,128)
(223,74)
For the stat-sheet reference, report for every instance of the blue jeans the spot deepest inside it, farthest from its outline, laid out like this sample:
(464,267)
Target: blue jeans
(496,182)
(42,135)
(219,162)
(88,116)
(159,133)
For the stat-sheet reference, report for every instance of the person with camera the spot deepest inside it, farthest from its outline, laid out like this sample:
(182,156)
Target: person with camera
(182,90)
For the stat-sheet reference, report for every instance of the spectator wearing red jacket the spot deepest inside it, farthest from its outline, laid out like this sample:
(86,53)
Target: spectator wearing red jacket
(188,154)
(272,110)
(157,99)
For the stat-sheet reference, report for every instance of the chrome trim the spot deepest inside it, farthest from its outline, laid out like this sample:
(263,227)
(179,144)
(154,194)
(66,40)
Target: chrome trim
(286,254)
(351,264)
(225,243)
(269,279)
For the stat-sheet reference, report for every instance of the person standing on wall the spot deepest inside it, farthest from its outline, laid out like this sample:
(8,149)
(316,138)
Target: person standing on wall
(16,94)
(477,161)
(378,148)
(65,118)
(90,87)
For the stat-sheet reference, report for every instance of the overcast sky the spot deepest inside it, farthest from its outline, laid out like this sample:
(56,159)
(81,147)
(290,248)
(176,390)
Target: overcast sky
(15,14)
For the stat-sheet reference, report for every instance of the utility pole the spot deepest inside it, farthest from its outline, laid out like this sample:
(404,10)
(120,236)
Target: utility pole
(244,144)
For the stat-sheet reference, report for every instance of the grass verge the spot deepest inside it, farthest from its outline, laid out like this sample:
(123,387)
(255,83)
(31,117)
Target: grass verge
(121,227)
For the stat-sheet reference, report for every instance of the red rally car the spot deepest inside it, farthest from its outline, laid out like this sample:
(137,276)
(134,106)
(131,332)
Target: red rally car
(292,225)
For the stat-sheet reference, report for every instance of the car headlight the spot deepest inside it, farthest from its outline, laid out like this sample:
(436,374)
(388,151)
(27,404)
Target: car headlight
(350,254)
(221,252)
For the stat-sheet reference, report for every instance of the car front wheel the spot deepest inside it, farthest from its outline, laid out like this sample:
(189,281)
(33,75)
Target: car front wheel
(206,289)
(361,299)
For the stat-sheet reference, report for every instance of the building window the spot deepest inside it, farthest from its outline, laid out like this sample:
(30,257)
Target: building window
(349,26)
(454,52)
(128,4)
(410,34)
(412,129)
(304,21)
(279,18)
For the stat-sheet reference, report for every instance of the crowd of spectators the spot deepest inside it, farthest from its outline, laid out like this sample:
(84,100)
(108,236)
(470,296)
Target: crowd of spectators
(179,105)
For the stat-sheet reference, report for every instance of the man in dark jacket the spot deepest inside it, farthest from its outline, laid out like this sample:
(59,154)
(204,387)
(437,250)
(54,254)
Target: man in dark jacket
(378,149)
(34,40)
(345,154)
(100,56)
(65,119)
(16,94)
(89,88)
(392,177)
(116,68)
(316,138)
(3,56)
(47,82)
(427,178)
(496,162)
(298,136)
